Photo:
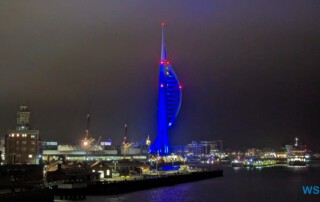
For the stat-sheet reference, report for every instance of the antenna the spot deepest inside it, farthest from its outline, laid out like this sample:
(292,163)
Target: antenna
(163,45)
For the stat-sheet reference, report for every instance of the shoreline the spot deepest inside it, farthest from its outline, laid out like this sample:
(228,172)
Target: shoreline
(127,186)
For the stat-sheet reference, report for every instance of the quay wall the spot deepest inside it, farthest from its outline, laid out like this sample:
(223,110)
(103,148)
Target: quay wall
(44,195)
(121,187)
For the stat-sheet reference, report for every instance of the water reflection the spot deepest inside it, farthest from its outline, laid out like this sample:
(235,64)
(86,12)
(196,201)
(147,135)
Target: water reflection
(278,183)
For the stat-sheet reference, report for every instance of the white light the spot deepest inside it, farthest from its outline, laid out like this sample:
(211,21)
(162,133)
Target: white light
(30,156)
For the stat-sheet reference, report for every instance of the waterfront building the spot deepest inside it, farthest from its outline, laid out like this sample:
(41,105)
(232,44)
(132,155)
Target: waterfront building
(282,154)
(198,148)
(2,150)
(169,101)
(103,168)
(93,153)
(253,152)
(210,146)
(22,145)
(49,145)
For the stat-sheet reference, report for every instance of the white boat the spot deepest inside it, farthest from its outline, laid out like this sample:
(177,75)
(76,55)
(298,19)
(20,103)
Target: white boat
(296,154)
(236,163)
(296,160)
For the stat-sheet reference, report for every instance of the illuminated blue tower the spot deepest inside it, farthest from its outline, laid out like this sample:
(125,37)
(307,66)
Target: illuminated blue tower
(169,101)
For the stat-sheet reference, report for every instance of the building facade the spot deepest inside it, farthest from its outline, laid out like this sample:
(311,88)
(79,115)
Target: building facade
(169,101)
(22,145)
(2,150)
(199,148)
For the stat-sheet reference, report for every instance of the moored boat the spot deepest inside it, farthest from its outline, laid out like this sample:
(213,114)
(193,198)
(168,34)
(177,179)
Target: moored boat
(237,163)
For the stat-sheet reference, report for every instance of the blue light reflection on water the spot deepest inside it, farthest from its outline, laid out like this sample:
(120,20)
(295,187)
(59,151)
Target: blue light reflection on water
(241,184)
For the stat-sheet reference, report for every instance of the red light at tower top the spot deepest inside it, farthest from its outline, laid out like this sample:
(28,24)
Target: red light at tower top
(163,24)
(180,86)
(165,62)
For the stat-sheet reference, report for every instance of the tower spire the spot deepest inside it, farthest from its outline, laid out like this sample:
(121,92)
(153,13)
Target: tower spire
(163,45)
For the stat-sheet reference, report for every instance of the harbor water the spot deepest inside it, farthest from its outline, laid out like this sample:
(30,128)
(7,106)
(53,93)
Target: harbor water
(278,183)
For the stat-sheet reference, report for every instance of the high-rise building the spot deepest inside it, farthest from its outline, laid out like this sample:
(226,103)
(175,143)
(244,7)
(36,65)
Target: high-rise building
(22,145)
(169,101)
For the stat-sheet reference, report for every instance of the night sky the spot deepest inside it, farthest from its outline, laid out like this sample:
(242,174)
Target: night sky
(250,70)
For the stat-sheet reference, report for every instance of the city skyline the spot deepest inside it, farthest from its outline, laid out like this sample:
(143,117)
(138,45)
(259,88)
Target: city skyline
(250,70)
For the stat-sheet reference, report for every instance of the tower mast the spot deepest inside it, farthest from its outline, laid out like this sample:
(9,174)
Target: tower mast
(163,44)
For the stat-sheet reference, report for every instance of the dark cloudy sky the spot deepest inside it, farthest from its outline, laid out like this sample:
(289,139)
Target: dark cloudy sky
(250,70)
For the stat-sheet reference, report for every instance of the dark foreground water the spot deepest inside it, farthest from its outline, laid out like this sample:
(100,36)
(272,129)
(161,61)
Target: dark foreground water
(278,183)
